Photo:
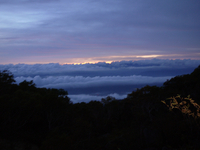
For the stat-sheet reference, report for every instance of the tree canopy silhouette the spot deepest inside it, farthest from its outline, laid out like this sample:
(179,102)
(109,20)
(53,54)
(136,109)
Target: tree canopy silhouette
(149,118)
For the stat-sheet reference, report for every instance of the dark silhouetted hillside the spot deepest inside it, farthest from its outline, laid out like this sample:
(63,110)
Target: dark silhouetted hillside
(160,118)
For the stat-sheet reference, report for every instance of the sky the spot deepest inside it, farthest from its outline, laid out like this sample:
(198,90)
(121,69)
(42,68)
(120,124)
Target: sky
(68,32)
(94,49)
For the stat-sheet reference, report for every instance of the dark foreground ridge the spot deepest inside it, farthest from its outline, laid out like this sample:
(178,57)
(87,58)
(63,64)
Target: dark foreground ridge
(157,118)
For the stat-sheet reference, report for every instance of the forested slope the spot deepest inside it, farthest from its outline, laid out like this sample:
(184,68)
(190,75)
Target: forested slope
(164,117)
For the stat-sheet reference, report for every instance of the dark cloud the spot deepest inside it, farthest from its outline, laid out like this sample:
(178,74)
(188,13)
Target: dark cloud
(46,31)
(84,82)
(122,68)
(89,81)
(63,31)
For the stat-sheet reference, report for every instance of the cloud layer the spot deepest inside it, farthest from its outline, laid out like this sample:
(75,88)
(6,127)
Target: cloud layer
(64,31)
(122,68)
(67,82)
(95,81)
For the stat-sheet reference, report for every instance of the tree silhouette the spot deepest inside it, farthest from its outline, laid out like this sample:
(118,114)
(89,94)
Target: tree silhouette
(149,118)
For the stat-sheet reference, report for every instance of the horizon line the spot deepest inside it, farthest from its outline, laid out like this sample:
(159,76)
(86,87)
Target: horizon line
(95,62)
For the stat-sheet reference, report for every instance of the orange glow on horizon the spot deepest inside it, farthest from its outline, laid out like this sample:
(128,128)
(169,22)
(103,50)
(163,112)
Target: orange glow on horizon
(106,59)
(108,62)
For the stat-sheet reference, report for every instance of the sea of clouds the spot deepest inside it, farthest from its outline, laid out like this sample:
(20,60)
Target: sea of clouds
(87,82)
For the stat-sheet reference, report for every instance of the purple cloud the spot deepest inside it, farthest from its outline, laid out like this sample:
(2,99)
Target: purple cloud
(65,31)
